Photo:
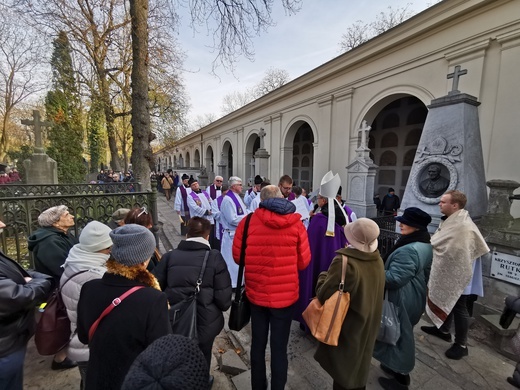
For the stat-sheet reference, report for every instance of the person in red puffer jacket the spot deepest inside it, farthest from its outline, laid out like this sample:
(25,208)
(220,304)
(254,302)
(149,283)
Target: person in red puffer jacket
(277,248)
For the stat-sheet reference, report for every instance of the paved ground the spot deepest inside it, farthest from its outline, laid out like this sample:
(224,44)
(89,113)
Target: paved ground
(484,368)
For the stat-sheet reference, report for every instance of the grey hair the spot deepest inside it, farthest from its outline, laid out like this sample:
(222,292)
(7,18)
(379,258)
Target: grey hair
(52,215)
(234,180)
(270,191)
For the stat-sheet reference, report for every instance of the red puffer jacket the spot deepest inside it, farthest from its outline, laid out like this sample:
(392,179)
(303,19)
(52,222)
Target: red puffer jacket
(277,248)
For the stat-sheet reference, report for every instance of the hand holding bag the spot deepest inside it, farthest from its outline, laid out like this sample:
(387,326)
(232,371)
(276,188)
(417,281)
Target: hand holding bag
(183,315)
(240,307)
(390,330)
(325,321)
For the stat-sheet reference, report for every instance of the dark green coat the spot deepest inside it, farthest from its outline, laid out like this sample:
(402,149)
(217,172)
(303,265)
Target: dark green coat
(348,363)
(50,247)
(407,271)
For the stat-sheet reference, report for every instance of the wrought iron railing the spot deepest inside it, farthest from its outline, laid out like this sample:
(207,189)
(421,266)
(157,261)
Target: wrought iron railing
(13,190)
(387,235)
(20,214)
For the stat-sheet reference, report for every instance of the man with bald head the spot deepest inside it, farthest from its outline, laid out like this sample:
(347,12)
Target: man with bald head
(232,211)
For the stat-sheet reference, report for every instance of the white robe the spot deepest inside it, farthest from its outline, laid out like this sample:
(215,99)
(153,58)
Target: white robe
(200,210)
(178,204)
(229,218)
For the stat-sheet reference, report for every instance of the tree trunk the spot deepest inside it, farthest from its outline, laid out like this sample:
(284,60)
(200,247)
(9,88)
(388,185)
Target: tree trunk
(104,93)
(141,149)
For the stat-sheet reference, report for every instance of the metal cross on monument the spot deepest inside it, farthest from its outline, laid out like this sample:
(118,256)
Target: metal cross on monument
(38,124)
(363,150)
(455,76)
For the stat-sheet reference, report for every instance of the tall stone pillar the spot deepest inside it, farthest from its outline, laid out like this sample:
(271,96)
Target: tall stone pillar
(262,157)
(39,168)
(361,175)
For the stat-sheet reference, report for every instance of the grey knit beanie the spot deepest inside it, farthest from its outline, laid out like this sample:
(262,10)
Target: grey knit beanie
(172,362)
(132,244)
(52,215)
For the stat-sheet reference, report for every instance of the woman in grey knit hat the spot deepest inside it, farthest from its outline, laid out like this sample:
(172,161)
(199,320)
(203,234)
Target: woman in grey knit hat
(135,322)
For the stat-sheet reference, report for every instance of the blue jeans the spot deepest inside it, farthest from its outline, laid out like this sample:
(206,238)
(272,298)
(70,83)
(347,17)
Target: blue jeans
(11,370)
(460,314)
(279,322)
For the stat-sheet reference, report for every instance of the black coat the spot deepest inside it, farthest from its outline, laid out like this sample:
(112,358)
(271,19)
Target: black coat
(124,333)
(18,299)
(177,273)
(50,247)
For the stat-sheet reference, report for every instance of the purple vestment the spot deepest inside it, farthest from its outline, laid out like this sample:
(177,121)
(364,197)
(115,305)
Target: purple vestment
(323,250)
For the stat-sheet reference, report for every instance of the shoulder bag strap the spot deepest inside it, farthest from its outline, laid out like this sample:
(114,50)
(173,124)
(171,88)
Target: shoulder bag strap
(76,274)
(344,261)
(202,270)
(113,304)
(242,258)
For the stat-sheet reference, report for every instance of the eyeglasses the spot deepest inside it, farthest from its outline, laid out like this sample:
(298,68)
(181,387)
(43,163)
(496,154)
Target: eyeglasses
(220,181)
(143,211)
(287,188)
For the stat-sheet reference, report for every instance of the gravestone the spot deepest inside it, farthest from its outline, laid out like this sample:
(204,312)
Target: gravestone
(39,168)
(361,178)
(449,155)
(262,157)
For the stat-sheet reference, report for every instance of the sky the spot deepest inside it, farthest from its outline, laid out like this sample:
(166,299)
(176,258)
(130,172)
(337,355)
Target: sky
(297,43)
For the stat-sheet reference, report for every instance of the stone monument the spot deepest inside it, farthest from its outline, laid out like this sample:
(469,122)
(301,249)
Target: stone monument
(262,157)
(449,155)
(361,178)
(39,168)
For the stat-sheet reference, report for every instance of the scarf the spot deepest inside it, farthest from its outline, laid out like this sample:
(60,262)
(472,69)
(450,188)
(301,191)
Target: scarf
(135,272)
(417,236)
(456,244)
(80,259)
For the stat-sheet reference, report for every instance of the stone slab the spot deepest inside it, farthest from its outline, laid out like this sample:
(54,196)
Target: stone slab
(230,363)
(242,381)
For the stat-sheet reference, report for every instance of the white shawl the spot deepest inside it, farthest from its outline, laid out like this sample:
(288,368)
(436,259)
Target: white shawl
(456,244)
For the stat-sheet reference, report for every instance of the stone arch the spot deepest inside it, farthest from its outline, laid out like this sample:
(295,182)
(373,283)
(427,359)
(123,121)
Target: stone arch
(250,168)
(209,163)
(187,163)
(396,124)
(226,161)
(196,159)
(298,153)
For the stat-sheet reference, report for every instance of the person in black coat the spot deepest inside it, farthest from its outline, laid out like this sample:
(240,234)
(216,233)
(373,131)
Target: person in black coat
(135,323)
(20,292)
(177,274)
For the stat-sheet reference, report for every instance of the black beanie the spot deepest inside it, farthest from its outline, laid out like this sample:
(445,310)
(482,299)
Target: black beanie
(258,179)
(171,362)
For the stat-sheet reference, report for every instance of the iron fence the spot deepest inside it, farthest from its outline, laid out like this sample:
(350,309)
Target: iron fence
(13,190)
(20,213)
(387,235)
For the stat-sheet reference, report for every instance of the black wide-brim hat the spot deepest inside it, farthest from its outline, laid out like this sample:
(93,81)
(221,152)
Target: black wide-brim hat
(415,217)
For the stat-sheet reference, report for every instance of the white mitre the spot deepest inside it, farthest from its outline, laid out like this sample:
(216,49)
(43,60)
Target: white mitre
(328,189)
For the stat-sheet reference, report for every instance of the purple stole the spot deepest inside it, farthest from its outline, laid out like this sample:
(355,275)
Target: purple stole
(250,190)
(213,191)
(195,197)
(348,210)
(233,197)
(310,201)
(220,227)
(291,197)
(184,195)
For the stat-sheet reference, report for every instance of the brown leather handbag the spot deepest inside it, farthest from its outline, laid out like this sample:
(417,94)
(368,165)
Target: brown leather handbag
(325,321)
(53,329)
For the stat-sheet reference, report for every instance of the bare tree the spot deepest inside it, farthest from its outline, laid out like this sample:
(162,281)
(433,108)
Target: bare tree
(236,99)
(234,23)
(203,120)
(360,32)
(20,57)
(274,78)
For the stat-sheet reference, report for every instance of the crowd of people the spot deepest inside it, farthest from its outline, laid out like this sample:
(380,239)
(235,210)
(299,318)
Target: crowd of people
(293,250)
(10,177)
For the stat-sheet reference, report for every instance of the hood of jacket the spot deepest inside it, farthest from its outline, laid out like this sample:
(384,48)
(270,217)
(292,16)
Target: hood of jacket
(277,213)
(41,234)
